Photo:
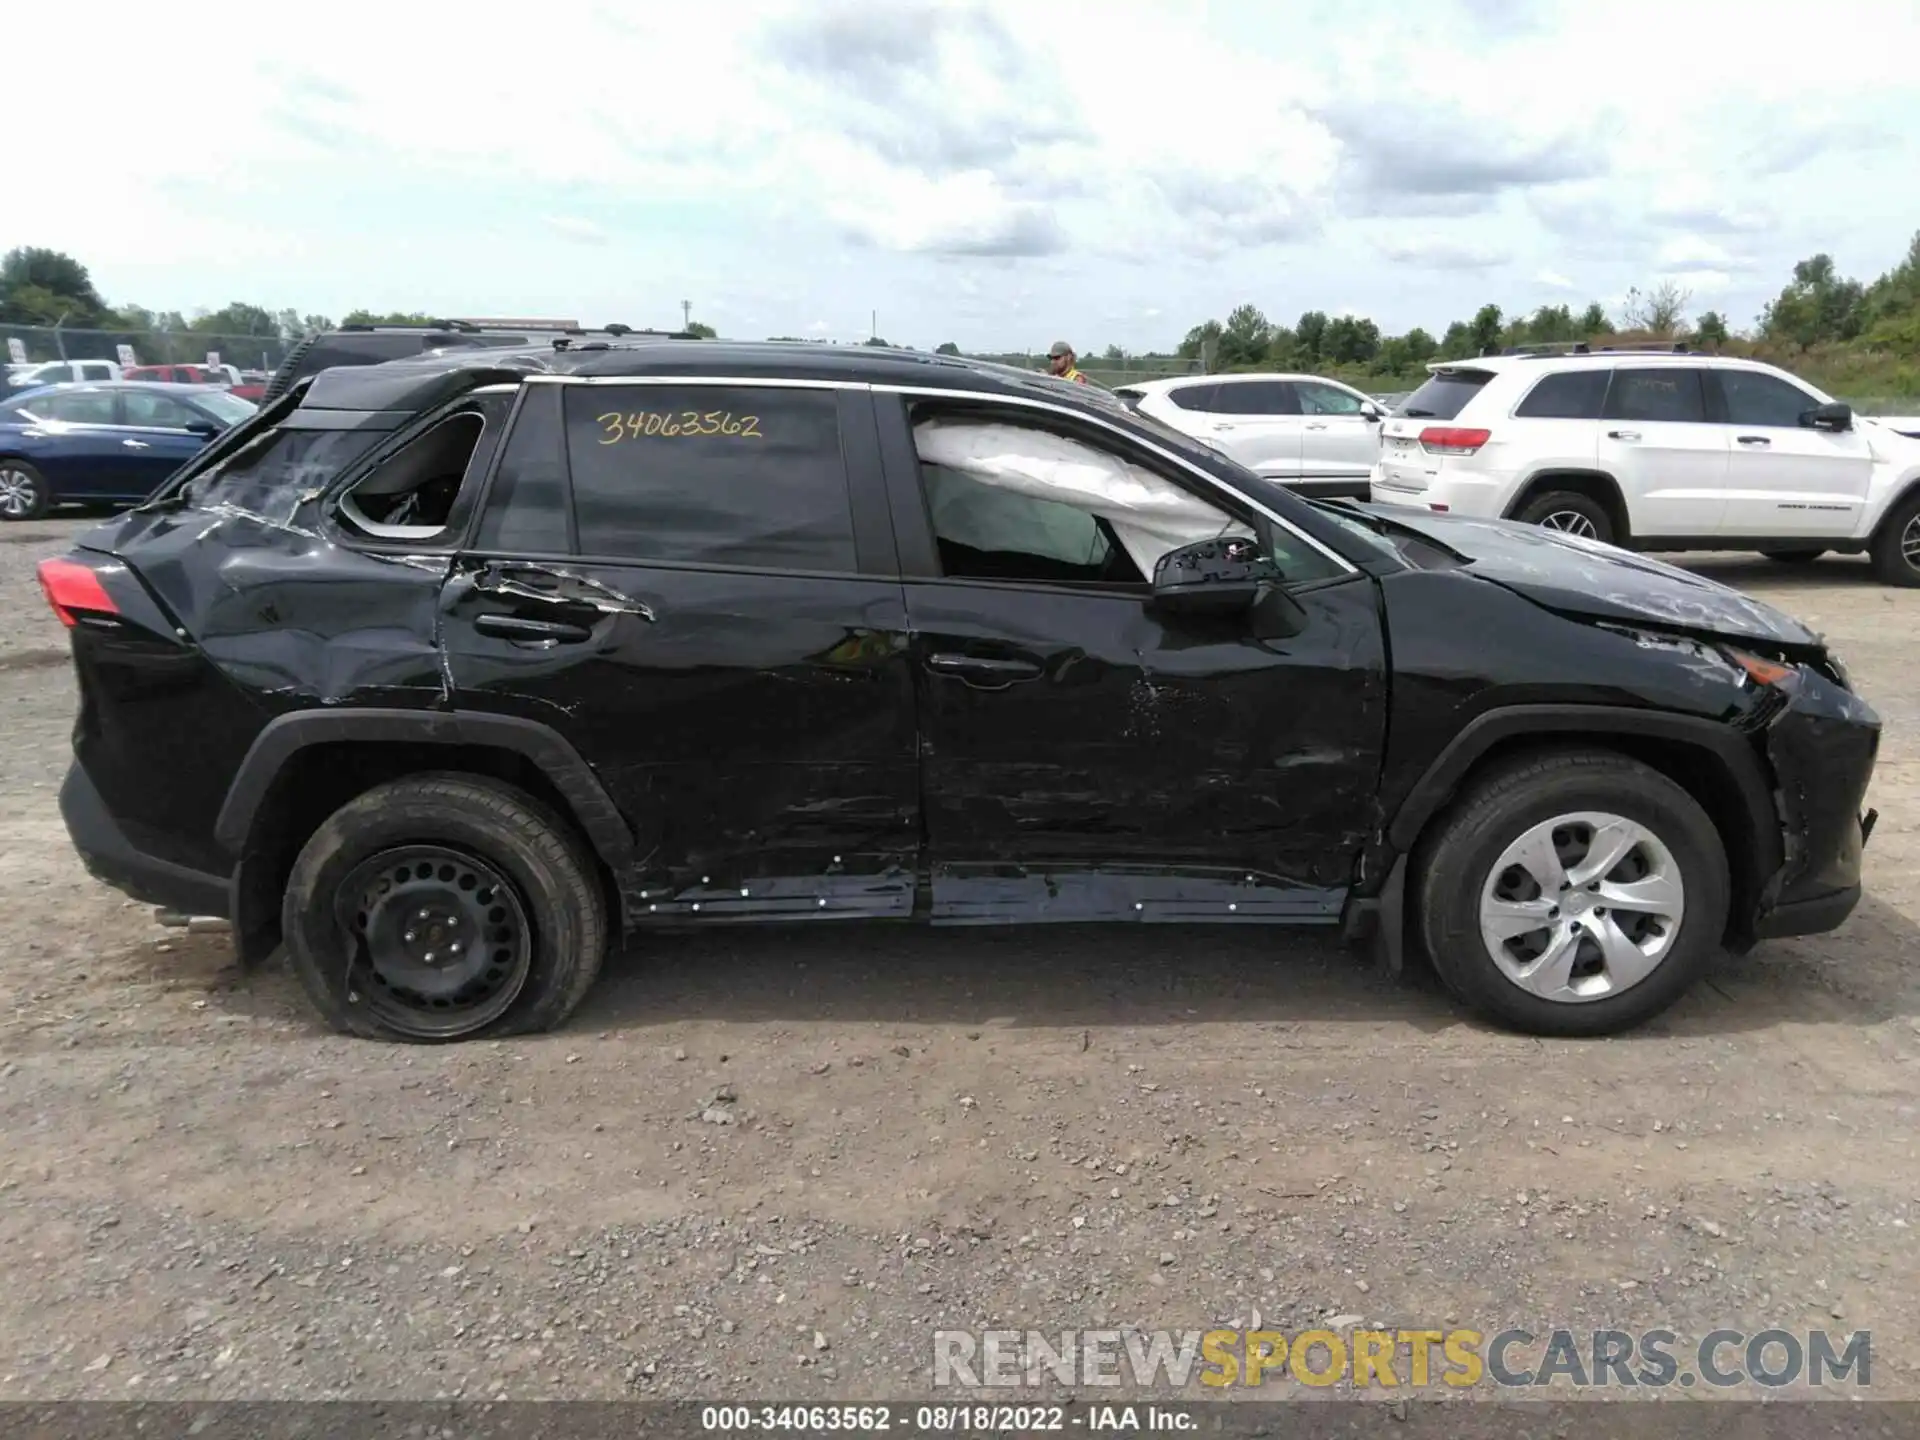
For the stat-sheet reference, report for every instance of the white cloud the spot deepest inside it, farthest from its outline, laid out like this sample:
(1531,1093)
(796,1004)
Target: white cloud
(980,169)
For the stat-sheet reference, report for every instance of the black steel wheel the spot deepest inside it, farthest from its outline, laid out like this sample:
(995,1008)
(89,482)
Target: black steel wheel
(444,907)
(443,943)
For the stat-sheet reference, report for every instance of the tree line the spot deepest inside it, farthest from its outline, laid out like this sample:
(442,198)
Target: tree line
(1830,327)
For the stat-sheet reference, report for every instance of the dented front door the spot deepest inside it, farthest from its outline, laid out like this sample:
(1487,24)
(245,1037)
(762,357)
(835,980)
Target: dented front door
(1083,759)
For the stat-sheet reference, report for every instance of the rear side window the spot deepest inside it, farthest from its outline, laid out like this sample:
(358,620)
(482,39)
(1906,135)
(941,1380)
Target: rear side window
(84,407)
(1570,395)
(1445,394)
(707,474)
(527,503)
(1670,394)
(270,472)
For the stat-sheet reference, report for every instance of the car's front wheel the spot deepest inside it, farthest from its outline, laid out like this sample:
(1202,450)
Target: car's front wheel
(23,491)
(1571,513)
(1896,545)
(1576,894)
(444,907)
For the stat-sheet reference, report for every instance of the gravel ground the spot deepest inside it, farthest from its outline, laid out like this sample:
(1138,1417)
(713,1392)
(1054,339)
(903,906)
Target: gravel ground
(771,1164)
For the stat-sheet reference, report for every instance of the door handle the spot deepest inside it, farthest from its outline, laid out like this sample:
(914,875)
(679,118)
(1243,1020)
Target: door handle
(521,627)
(991,668)
(1623,434)
(1317,425)
(1753,440)
(1217,425)
(136,444)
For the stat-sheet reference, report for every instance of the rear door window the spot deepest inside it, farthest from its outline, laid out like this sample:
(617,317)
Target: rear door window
(710,475)
(527,505)
(1669,393)
(1255,397)
(85,407)
(1445,394)
(1570,395)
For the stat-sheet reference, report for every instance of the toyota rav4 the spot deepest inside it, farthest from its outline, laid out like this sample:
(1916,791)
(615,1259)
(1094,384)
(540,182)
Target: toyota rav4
(445,674)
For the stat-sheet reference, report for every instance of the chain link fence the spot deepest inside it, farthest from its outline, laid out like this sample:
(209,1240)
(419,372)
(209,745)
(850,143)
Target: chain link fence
(34,343)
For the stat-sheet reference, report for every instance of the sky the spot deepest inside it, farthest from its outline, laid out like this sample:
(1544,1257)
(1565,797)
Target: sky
(1000,175)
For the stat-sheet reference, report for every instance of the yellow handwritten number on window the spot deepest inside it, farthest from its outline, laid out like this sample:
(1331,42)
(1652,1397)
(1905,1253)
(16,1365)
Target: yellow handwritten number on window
(651,424)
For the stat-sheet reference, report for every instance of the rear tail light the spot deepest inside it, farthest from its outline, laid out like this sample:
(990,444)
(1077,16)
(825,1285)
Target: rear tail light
(72,588)
(1449,440)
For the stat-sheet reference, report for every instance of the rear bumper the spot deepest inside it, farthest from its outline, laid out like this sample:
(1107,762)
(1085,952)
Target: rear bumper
(113,859)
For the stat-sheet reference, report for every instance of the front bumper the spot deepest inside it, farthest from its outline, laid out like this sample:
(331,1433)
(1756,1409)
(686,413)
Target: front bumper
(114,859)
(1822,745)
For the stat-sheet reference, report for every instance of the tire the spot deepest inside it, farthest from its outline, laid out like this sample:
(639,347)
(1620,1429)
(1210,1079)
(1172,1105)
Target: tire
(1463,862)
(1793,557)
(23,491)
(474,854)
(1571,512)
(1896,545)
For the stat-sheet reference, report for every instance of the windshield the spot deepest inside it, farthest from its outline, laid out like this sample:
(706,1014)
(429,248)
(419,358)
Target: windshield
(227,409)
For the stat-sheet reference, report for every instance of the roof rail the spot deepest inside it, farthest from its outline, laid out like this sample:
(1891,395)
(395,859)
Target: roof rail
(1587,347)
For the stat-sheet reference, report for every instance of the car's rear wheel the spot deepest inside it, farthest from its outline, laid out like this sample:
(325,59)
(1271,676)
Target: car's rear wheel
(23,491)
(1793,557)
(444,907)
(1577,894)
(1571,513)
(1896,545)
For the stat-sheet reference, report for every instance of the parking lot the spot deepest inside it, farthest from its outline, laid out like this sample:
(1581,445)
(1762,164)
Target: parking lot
(763,1163)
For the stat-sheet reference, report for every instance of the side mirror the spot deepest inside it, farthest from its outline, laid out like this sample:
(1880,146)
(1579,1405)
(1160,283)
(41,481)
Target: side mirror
(1835,415)
(1218,577)
(205,429)
(1372,410)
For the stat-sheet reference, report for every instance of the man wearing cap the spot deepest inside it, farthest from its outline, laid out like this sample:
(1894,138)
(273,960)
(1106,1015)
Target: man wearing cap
(1061,361)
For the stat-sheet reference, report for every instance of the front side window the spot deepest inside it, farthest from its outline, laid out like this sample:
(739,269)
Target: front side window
(1756,398)
(1318,399)
(163,412)
(1665,394)
(710,475)
(1012,501)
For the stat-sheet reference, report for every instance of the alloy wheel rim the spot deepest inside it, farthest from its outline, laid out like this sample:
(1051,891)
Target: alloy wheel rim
(17,492)
(1910,543)
(1582,907)
(1572,522)
(439,939)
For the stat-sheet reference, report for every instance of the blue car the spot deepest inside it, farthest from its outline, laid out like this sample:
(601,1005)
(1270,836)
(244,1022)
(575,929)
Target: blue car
(109,442)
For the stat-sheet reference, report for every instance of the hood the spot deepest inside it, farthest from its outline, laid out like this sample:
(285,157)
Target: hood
(1583,577)
(1875,428)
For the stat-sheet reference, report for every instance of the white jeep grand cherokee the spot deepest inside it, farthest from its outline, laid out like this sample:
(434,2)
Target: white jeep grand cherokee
(1657,450)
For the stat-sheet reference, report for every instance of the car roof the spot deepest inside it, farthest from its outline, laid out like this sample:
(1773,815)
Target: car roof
(1163,383)
(1500,364)
(414,381)
(143,387)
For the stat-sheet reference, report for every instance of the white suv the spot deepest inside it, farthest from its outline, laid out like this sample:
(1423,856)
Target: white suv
(1657,450)
(1313,435)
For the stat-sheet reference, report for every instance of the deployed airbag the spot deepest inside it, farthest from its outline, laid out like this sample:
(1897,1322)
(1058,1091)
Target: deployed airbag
(1150,515)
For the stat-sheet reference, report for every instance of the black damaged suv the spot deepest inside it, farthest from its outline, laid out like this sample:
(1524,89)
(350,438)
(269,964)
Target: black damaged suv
(446,672)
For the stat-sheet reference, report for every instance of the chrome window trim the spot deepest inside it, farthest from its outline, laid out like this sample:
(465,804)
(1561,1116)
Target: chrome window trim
(977,397)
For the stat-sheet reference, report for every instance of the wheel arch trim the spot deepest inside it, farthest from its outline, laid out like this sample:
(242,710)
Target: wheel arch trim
(284,737)
(1442,777)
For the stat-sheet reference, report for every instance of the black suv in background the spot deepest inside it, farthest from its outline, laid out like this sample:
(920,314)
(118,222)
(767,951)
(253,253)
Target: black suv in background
(376,344)
(448,671)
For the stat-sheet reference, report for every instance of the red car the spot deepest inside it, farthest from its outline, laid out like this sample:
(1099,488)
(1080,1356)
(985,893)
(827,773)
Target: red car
(225,375)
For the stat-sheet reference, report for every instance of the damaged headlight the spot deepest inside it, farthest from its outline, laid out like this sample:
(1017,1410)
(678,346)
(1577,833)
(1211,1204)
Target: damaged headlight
(1760,670)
